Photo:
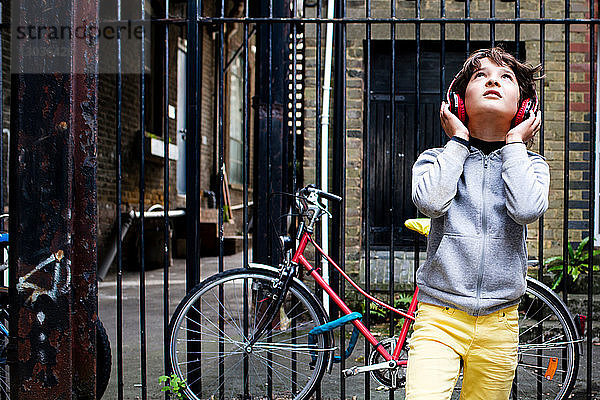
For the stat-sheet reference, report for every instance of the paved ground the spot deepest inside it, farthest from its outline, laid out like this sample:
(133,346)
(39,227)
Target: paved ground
(155,325)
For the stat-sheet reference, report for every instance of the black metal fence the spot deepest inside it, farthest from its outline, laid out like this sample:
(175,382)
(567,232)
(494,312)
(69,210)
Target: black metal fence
(257,129)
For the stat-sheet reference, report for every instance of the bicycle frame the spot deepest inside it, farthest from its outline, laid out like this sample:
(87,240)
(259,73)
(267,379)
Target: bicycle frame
(409,316)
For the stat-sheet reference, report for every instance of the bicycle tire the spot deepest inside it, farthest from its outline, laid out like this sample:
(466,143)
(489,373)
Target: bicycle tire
(546,332)
(103,355)
(266,370)
(4,366)
(103,359)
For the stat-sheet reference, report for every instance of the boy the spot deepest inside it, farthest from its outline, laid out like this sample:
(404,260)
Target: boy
(480,190)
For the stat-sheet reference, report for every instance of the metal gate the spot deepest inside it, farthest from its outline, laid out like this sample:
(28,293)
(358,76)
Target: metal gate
(276,95)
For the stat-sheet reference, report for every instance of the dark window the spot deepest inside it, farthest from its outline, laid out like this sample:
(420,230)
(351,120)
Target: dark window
(397,151)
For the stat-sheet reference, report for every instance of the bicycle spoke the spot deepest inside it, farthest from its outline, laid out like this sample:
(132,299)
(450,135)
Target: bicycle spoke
(225,380)
(212,323)
(230,316)
(281,365)
(283,354)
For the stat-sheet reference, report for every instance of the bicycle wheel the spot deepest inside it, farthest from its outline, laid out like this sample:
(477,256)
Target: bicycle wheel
(103,359)
(4,368)
(548,346)
(209,334)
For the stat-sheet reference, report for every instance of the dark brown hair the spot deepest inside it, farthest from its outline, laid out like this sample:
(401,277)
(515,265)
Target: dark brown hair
(525,73)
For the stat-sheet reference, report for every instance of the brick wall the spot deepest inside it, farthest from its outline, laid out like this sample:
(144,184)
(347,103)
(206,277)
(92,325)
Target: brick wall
(553,102)
(130,114)
(130,117)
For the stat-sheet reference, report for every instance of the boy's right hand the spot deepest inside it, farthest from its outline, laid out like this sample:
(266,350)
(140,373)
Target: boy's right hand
(451,124)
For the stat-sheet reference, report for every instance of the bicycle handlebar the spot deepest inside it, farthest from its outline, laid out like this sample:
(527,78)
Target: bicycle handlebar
(327,195)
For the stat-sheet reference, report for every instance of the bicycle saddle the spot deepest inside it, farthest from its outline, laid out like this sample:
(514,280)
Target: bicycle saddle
(420,225)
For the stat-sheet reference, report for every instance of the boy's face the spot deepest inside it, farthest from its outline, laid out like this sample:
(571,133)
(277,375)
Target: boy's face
(492,89)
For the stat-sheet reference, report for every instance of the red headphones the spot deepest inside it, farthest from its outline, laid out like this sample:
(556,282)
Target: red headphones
(457,107)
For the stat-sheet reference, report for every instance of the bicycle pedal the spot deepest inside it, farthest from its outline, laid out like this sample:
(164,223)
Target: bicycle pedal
(350,371)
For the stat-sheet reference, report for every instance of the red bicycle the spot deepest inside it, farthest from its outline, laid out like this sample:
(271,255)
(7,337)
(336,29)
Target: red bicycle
(260,333)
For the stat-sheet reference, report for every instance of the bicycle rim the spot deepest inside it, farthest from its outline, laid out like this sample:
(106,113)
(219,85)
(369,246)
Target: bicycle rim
(548,347)
(209,340)
(4,368)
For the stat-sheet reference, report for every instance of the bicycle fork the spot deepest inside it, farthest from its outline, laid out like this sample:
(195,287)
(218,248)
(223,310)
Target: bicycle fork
(277,296)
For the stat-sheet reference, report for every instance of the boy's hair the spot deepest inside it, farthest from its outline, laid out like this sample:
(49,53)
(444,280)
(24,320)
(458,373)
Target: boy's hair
(525,73)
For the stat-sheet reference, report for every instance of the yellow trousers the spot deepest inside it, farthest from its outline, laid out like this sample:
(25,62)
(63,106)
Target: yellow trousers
(443,336)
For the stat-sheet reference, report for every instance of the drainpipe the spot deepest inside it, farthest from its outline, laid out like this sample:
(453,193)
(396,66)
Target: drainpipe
(325,140)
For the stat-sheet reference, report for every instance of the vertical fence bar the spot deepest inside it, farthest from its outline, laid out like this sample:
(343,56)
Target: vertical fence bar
(193,125)
(366,226)
(270,176)
(493,23)
(343,138)
(294,90)
(193,156)
(566,171)
(294,163)
(221,149)
(542,97)
(142,277)
(339,151)
(166,249)
(342,190)
(541,93)
(418,144)
(142,181)
(393,141)
(318,167)
(246,137)
(518,27)
(118,166)
(2,170)
(442,63)
(592,199)
(245,174)
(468,27)
(269,134)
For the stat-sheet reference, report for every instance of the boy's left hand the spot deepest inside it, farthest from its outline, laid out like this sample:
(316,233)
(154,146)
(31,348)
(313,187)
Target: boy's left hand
(526,130)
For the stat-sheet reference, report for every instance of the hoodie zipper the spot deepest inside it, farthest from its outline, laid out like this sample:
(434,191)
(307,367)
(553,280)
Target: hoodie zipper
(484,229)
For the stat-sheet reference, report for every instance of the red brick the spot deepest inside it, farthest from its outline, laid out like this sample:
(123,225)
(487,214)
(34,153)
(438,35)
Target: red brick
(579,107)
(580,87)
(580,67)
(580,48)
(579,28)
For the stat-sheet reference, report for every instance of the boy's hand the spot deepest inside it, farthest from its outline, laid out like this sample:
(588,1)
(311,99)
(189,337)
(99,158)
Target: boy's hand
(451,124)
(526,130)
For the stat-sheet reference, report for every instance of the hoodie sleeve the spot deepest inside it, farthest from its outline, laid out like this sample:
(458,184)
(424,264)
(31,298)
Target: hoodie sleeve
(526,182)
(435,178)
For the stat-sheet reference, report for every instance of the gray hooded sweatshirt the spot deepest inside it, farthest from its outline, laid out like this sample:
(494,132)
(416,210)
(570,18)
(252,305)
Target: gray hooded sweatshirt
(479,205)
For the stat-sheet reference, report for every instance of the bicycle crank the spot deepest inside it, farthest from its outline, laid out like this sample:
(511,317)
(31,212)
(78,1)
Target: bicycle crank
(368,368)
(389,378)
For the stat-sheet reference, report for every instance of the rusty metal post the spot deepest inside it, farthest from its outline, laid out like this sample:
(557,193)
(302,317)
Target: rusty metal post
(84,133)
(53,200)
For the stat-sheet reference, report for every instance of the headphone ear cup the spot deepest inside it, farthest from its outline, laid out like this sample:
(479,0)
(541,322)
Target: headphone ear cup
(457,107)
(523,112)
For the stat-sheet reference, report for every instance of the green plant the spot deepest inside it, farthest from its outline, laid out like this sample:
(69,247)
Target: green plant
(378,313)
(403,300)
(578,263)
(174,385)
